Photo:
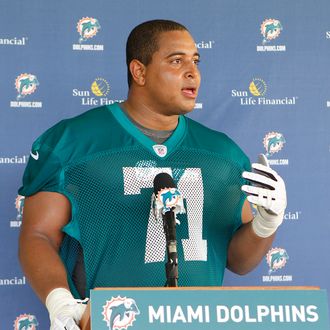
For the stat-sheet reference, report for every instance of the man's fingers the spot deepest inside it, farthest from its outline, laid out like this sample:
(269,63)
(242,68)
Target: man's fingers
(262,159)
(259,179)
(260,196)
(265,170)
(257,191)
(266,203)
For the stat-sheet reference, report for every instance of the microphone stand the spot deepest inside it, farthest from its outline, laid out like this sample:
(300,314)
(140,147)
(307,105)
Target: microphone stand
(171,266)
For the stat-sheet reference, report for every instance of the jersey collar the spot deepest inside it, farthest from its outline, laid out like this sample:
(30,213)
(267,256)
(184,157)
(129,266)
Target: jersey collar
(163,150)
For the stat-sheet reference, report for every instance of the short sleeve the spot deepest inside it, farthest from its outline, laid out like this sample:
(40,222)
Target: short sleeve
(43,170)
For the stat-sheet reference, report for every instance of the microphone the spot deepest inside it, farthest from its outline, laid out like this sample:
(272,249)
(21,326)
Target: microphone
(167,202)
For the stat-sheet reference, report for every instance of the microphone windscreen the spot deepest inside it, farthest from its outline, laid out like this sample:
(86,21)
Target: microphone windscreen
(163,180)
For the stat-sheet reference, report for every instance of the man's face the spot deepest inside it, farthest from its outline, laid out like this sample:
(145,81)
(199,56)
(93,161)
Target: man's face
(172,78)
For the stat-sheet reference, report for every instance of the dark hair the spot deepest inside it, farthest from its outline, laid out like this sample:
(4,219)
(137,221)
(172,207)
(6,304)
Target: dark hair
(142,42)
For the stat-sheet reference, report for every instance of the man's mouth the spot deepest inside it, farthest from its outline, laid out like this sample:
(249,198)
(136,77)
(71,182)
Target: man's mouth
(189,92)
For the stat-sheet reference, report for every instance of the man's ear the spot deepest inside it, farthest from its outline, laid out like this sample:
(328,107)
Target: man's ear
(138,72)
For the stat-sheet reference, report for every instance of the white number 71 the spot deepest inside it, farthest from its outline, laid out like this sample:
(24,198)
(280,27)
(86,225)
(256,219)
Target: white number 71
(190,186)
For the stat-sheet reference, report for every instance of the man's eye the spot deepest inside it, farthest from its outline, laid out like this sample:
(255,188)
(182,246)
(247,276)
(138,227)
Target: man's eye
(197,61)
(176,61)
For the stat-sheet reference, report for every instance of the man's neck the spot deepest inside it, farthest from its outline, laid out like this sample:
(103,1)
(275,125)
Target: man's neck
(146,116)
(157,136)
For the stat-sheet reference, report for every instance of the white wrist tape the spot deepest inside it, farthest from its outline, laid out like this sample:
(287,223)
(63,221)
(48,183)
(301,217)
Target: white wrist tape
(60,302)
(265,224)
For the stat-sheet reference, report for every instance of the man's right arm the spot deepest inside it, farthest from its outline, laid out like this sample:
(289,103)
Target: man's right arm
(44,216)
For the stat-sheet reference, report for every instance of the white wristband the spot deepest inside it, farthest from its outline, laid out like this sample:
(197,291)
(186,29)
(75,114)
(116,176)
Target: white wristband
(61,302)
(265,224)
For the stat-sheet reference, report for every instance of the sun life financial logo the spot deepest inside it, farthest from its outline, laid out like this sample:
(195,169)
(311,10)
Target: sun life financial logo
(288,216)
(26,321)
(13,41)
(258,87)
(119,313)
(205,44)
(100,88)
(25,84)
(270,29)
(273,143)
(14,160)
(292,215)
(276,259)
(87,28)
(13,281)
(256,95)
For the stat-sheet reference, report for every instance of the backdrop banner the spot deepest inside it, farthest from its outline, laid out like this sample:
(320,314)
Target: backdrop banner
(265,82)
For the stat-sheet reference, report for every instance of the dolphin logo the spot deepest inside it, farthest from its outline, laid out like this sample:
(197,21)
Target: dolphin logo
(169,198)
(119,313)
(19,203)
(276,259)
(273,142)
(26,322)
(270,29)
(87,28)
(26,84)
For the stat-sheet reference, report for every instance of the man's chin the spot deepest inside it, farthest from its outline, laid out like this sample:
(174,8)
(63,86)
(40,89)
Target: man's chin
(185,111)
(188,107)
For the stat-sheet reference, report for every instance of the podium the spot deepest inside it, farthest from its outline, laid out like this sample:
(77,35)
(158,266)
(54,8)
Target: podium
(225,308)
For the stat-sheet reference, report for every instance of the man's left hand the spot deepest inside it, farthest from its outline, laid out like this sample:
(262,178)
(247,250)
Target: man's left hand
(269,194)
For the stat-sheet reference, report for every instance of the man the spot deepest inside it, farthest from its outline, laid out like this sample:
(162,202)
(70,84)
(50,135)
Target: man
(89,183)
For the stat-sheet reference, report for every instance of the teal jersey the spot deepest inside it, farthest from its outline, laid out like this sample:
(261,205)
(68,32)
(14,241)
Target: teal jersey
(105,166)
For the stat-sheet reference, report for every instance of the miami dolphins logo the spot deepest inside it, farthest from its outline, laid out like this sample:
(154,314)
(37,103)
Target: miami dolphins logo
(119,313)
(276,259)
(87,28)
(258,87)
(19,204)
(25,322)
(169,198)
(26,84)
(166,200)
(270,29)
(273,142)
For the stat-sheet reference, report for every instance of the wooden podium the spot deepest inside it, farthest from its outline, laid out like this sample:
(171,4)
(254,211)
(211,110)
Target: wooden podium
(280,308)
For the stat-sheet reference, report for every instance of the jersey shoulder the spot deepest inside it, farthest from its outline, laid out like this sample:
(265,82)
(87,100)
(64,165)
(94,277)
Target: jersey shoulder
(67,142)
(93,131)
(209,140)
(76,129)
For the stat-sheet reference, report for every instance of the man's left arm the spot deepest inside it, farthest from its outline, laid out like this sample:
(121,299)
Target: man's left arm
(252,241)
